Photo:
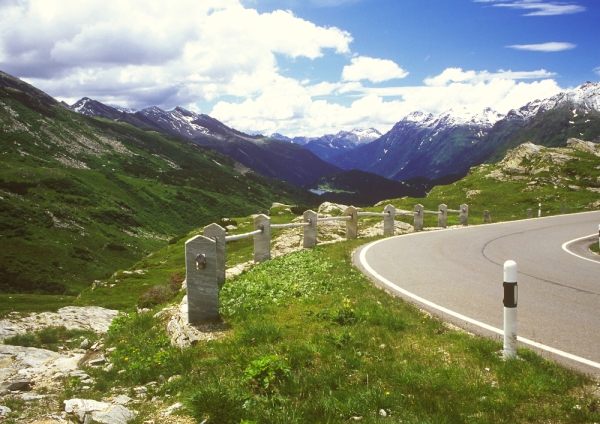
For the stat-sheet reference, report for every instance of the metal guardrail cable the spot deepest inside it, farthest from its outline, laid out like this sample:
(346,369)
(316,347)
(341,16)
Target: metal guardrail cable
(293,225)
(374,214)
(335,218)
(243,236)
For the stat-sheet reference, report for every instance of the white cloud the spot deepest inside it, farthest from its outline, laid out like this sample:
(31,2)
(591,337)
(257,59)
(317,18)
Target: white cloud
(73,49)
(458,75)
(300,114)
(544,47)
(597,70)
(539,8)
(375,70)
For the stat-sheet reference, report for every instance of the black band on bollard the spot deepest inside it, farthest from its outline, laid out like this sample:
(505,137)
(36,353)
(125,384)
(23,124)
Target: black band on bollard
(510,295)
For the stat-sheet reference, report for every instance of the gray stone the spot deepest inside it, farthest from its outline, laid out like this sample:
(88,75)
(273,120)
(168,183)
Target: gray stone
(5,410)
(218,233)
(388,220)
(202,287)
(464,214)
(418,223)
(442,216)
(21,385)
(310,232)
(85,344)
(262,241)
(352,223)
(487,218)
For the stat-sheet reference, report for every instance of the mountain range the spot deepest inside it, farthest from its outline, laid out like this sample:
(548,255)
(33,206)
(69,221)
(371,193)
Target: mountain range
(81,197)
(269,157)
(450,143)
(331,145)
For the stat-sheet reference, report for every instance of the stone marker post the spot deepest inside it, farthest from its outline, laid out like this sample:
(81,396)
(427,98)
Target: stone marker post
(464,214)
(201,276)
(218,233)
(418,222)
(529,213)
(487,218)
(262,241)
(310,232)
(352,223)
(388,220)
(442,216)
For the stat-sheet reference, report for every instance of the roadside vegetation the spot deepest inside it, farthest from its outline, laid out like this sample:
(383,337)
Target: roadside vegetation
(309,339)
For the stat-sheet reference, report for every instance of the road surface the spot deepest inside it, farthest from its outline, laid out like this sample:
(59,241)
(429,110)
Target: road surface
(457,274)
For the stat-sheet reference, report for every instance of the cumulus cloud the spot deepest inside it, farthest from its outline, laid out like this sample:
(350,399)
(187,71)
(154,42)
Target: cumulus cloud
(302,114)
(597,70)
(544,47)
(72,48)
(375,70)
(539,8)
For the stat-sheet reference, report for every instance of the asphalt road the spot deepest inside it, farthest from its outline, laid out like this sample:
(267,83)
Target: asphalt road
(457,274)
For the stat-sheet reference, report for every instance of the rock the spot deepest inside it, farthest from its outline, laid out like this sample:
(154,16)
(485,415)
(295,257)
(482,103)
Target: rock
(382,413)
(72,317)
(97,361)
(85,344)
(88,410)
(331,208)
(22,386)
(184,334)
(168,411)
(82,407)
(114,414)
(584,146)
(574,188)
(4,410)
(472,193)
(122,400)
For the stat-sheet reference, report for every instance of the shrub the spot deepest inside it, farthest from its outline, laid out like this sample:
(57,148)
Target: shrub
(25,340)
(155,296)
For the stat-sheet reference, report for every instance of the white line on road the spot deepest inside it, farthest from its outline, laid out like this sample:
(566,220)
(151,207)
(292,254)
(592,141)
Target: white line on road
(388,283)
(566,245)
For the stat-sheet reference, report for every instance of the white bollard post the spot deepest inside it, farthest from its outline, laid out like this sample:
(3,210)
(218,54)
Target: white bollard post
(539,210)
(510,309)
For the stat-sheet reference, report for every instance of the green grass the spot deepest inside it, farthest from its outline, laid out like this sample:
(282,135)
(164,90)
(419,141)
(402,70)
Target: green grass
(305,347)
(594,248)
(52,338)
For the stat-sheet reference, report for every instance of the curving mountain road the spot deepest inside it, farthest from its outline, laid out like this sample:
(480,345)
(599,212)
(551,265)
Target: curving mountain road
(457,274)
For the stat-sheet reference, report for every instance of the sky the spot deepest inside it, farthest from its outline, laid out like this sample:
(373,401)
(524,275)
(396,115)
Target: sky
(303,67)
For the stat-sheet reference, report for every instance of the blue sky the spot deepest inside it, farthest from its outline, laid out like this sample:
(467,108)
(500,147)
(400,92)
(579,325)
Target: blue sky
(303,67)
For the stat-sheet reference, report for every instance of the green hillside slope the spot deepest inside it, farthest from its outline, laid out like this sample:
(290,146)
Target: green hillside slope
(81,198)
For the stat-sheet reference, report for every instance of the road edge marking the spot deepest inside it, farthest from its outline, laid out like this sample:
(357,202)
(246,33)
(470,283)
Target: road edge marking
(566,244)
(367,267)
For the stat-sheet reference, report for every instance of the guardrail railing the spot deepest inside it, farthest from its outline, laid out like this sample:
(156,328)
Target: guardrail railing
(205,255)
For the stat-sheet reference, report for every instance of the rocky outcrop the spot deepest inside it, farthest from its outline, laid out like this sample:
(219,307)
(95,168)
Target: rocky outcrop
(92,318)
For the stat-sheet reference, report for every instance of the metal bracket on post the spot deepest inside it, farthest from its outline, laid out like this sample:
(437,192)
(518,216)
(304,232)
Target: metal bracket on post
(201,276)
(218,233)
(262,241)
(443,216)
(464,214)
(510,309)
(352,223)
(418,222)
(388,220)
(310,231)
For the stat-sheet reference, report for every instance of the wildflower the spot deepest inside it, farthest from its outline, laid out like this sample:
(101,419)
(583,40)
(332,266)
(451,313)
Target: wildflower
(387,393)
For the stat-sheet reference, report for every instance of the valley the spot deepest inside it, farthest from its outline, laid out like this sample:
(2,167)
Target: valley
(95,211)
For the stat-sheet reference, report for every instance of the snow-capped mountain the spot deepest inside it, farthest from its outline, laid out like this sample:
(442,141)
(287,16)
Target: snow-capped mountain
(271,158)
(331,145)
(586,98)
(423,144)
